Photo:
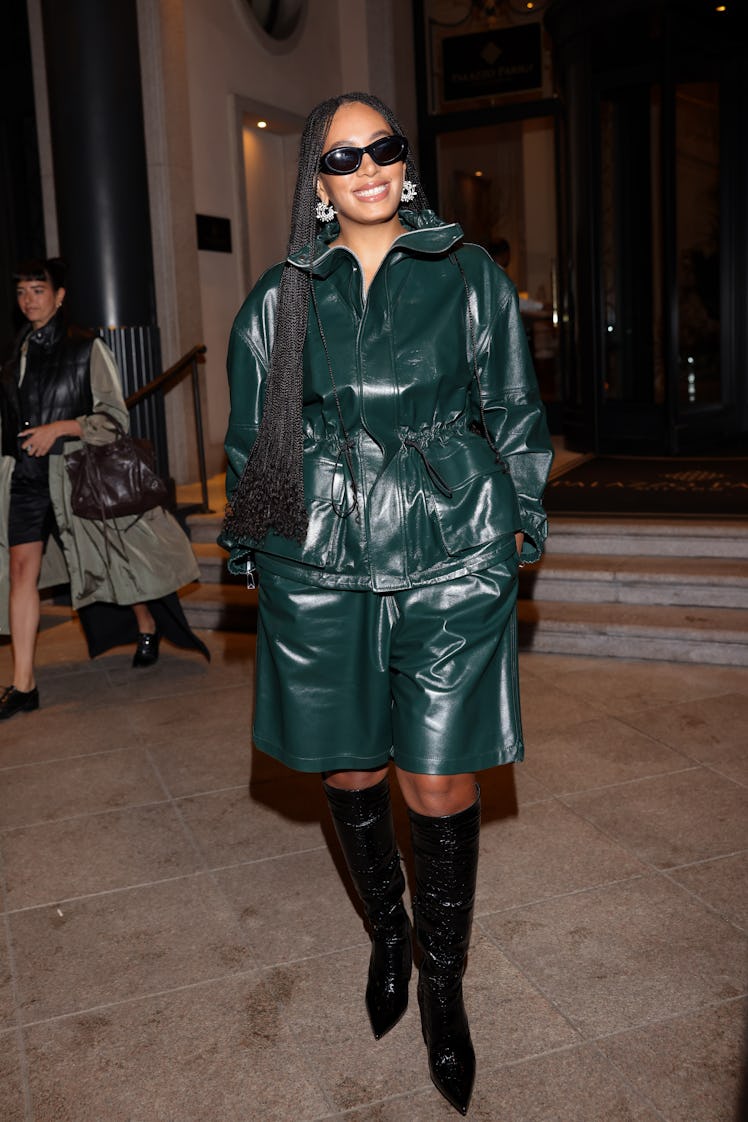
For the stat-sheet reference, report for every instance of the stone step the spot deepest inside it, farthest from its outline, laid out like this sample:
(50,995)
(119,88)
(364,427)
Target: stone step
(686,581)
(672,589)
(648,537)
(204,527)
(711,635)
(221,607)
(213,562)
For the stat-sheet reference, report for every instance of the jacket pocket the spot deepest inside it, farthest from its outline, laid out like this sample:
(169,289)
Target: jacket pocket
(326,499)
(478,503)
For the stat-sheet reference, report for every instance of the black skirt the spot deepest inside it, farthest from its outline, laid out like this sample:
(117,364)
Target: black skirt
(30,517)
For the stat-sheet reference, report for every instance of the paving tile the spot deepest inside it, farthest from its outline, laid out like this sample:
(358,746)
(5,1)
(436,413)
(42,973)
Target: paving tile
(211,721)
(323,1002)
(264,768)
(620,687)
(61,648)
(690,1068)
(295,906)
(7,998)
(11,1092)
(233,826)
(96,853)
(177,672)
(576,1084)
(121,945)
(190,767)
(546,708)
(597,753)
(74,697)
(505,789)
(546,851)
(509,1018)
(554,666)
(721,883)
(712,730)
(670,819)
(624,954)
(205,1054)
(573,1084)
(424,1105)
(582,941)
(83,785)
(232,658)
(53,733)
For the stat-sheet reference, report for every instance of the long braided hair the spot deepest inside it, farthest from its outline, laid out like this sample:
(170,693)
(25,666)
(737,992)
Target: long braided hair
(270,492)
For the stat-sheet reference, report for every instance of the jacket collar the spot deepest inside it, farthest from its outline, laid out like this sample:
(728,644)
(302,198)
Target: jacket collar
(424,233)
(48,337)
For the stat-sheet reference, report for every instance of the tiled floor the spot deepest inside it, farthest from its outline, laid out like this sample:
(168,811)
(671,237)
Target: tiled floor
(176,948)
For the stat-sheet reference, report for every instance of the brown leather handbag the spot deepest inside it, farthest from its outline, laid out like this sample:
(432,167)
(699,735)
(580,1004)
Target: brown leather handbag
(114,480)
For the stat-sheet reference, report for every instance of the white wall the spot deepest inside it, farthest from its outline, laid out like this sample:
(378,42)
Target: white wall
(233,67)
(230,61)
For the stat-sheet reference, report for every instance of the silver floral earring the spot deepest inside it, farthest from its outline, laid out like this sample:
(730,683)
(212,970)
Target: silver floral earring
(409,191)
(325,211)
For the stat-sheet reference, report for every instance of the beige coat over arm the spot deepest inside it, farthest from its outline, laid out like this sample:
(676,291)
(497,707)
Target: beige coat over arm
(135,559)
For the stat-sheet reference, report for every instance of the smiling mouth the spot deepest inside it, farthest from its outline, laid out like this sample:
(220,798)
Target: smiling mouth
(372,192)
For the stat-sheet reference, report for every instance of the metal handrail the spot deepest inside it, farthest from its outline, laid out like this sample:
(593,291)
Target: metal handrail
(164,382)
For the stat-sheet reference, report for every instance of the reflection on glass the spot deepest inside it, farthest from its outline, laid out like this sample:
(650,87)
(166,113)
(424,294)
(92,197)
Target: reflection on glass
(630,245)
(697,193)
(498,182)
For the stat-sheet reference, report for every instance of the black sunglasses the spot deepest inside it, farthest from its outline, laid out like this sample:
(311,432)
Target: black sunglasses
(343,161)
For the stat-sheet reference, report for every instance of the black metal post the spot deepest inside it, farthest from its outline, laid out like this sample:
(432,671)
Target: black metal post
(199,432)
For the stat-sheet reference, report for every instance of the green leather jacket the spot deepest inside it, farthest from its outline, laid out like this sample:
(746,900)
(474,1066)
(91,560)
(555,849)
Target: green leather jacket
(433,502)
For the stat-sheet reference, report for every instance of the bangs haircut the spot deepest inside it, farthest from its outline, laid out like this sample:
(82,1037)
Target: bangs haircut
(52,270)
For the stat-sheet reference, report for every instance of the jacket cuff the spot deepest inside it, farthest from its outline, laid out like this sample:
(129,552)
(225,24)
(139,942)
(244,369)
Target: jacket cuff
(535,531)
(241,562)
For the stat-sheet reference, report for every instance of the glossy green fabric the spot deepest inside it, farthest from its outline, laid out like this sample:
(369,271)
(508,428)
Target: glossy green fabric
(433,502)
(425,676)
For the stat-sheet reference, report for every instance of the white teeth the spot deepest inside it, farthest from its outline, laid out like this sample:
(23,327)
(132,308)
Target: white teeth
(371,192)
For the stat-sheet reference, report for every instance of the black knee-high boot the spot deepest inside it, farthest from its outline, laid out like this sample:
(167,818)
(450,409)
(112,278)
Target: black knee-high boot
(445,851)
(363,823)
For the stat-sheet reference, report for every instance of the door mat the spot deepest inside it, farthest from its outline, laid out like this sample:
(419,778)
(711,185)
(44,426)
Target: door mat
(690,487)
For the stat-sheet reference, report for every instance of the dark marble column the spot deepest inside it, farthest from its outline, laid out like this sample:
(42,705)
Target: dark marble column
(98,146)
(101,187)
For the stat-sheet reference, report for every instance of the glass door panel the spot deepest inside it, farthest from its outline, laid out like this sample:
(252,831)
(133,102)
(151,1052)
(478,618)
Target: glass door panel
(499,183)
(697,131)
(631,247)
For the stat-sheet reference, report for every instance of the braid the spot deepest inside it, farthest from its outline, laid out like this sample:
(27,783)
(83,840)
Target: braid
(270,492)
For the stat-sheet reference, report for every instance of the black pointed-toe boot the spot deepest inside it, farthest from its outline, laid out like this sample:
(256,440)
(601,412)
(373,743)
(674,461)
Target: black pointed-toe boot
(445,851)
(363,823)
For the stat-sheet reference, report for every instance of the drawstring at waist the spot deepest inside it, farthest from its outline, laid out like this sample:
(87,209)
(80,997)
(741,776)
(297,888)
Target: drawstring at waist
(433,474)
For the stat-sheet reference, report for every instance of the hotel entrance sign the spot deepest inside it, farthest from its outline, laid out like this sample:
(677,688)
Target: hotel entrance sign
(490,63)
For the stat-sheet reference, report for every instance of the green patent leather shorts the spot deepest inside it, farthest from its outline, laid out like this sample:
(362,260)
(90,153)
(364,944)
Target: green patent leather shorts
(427,677)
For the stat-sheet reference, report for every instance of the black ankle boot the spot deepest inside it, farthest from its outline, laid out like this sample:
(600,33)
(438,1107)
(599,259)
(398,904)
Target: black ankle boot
(445,851)
(363,823)
(146,652)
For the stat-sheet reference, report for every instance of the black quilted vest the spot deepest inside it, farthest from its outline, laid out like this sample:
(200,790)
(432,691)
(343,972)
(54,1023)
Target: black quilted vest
(56,384)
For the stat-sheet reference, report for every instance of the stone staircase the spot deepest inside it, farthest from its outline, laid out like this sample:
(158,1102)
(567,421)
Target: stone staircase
(671,589)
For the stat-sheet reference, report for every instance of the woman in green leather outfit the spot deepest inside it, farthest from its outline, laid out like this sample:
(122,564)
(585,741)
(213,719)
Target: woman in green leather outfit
(387,451)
